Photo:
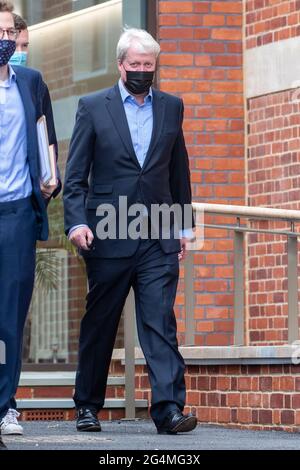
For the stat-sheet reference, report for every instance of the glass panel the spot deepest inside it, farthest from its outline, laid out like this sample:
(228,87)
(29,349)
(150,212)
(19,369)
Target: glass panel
(82,56)
(76,57)
(49,325)
(37,11)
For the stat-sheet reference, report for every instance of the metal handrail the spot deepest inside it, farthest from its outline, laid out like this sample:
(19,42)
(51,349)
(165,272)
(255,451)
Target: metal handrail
(240,212)
(248,212)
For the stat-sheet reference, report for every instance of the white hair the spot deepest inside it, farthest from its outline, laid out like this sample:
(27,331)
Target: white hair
(140,40)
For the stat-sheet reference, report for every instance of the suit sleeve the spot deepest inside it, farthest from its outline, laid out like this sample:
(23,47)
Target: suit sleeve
(78,169)
(180,181)
(47,111)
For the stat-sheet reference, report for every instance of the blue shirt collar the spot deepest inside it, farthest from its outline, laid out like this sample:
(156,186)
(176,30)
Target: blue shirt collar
(11,77)
(126,95)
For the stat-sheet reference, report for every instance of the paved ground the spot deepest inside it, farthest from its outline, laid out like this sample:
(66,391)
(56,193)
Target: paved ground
(133,435)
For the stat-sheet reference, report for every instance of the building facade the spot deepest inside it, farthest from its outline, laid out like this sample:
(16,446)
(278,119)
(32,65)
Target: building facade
(235,65)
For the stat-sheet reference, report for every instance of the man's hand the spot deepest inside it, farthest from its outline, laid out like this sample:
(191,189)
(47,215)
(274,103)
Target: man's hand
(82,238)
(47,191)
(189,236)
(182,253)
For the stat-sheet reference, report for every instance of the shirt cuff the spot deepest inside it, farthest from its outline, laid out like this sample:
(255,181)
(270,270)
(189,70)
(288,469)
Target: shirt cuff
(187,233)
(75,228)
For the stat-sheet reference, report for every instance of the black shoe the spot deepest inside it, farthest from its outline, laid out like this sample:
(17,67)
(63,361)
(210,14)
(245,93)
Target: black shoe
(177,422)
(87,420)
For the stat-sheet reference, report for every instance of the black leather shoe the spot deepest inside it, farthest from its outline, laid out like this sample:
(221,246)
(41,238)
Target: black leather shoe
(177,422)
(87,420)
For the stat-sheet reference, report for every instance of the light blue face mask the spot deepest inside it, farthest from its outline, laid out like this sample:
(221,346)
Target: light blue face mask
(19,58)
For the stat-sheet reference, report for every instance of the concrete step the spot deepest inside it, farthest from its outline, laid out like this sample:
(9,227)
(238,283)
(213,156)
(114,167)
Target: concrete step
(67,403)
(48,396)
(58,379)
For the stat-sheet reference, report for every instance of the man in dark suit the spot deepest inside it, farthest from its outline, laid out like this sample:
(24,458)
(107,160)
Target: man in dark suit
(128,142)
(23,98)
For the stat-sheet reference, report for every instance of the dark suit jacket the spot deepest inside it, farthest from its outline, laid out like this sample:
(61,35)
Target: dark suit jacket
(36,101)
(102,165)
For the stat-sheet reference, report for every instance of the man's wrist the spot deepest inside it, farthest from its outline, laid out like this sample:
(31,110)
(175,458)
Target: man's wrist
(75,227)
(187,233)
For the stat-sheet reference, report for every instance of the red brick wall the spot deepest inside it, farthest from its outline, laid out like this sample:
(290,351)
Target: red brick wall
(274,164)
(253,397)
(201,61)
(249,396)
(271,20)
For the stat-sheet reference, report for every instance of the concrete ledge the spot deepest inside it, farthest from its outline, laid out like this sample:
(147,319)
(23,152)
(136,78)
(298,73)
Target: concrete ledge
(193,355)
(272,68)
(67,403)
(217,355)
(57,379)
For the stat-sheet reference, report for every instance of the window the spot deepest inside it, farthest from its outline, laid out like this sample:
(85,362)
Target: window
(73,43)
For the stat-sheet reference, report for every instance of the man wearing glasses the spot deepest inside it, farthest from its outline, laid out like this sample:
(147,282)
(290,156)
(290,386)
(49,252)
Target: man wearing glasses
(23,217)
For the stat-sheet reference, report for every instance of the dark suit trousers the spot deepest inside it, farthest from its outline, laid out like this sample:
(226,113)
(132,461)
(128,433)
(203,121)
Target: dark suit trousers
(154,277)
(17,264)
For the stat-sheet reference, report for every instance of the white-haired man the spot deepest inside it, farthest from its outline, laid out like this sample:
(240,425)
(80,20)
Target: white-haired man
(128,142)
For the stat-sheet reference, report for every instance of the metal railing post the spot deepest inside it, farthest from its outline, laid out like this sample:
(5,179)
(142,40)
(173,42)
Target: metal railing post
(129,323)
(189,299)
(293,326)
(239,302)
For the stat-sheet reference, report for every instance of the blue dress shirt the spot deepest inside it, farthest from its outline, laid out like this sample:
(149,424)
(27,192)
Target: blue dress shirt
(15,181)
(140,121)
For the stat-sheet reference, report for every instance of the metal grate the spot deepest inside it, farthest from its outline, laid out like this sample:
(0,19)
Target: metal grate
(38,415)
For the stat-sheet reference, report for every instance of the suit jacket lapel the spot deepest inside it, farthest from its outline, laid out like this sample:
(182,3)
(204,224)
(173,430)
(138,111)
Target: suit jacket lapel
(117,112)
(158,120)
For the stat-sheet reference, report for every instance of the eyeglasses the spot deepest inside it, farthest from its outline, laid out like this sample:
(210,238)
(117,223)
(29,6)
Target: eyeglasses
(12,33)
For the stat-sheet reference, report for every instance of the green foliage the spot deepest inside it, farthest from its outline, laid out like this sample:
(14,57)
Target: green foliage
(56,224)
(46,270)
(47,263)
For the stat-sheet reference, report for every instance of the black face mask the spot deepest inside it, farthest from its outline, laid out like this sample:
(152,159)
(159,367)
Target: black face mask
(139,83)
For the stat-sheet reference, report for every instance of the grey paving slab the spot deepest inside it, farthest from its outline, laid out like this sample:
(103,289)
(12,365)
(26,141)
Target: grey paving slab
(141,435)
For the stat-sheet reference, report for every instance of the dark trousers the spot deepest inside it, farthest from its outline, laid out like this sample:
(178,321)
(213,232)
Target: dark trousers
(17,265)
(154,277)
